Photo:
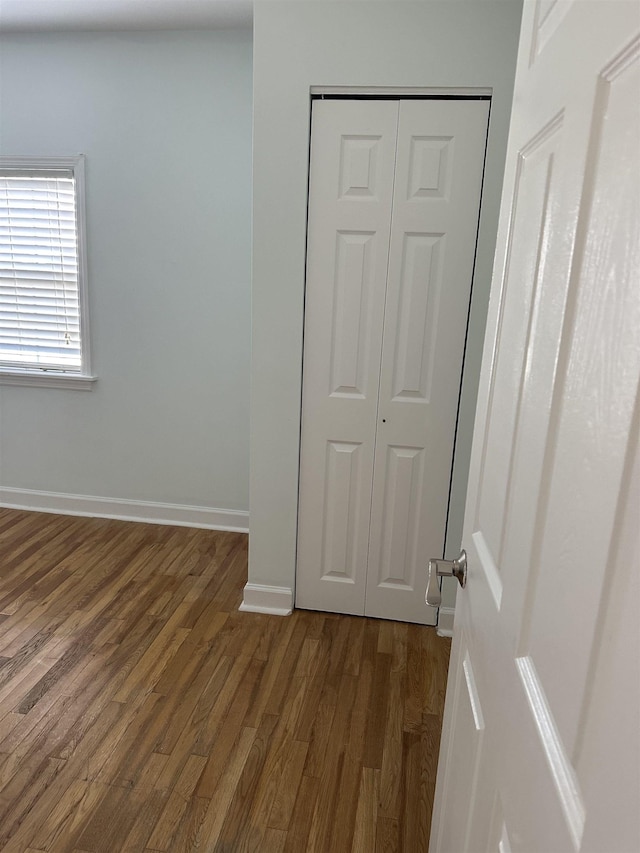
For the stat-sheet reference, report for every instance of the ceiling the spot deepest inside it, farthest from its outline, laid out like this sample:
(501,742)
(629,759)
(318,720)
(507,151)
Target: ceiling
(34,15)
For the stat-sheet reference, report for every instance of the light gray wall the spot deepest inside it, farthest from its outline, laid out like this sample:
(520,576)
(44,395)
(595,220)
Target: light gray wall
(302,44)
(164,120)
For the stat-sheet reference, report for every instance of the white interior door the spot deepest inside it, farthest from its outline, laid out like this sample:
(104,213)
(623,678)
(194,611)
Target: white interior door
(393,212)
(541,742)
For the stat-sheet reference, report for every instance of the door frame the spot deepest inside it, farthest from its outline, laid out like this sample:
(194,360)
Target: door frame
(476,324)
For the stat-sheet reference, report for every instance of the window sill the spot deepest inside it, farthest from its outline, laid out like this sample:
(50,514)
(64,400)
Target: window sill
(44,379)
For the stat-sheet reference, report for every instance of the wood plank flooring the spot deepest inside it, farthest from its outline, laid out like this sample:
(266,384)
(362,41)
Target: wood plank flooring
(140,711)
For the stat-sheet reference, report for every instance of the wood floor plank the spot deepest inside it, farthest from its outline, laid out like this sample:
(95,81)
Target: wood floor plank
(225,685)
(209,830)
(110,823)
(70,660)
(124,765)
(387,836)
(12,694)
(363,713)
(377,713)
(113,733)
(364,839)
(414,695)
(26,724)
(187,834)
(145,822)
(24,791)
(314,692)
(27,636)
(56,783)
(286,668)
(274,841)
(323,822)
(61,816)
(167,822)
(391,771)
(319,740)
(227,735)
(303,811)
(283,764)
(140,711)
(235,824)
(284,801)
(152,770)
(346,805)
(270,673)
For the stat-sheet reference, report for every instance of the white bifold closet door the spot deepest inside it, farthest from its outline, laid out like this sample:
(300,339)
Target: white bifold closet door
(394,200)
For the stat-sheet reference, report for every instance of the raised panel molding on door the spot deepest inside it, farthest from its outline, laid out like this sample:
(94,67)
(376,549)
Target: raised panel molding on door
(394,202)
(339,546)
(351,298)
(420,286)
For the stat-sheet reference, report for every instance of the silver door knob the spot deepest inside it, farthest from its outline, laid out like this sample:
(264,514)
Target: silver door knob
(445,568)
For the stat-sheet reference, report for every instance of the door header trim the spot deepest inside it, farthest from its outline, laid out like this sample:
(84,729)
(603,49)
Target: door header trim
(382,92)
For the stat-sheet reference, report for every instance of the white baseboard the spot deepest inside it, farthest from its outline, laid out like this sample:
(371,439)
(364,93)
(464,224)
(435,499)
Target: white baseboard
(277,600)
(445,621)
(126,510)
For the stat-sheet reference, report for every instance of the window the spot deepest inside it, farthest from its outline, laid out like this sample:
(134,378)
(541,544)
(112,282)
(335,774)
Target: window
(44,334)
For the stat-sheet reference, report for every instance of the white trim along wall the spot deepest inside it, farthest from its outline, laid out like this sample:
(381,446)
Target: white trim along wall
(126,510)
(259,598)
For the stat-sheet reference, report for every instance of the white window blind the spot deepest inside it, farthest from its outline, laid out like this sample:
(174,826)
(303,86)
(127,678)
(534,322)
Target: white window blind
(40,320)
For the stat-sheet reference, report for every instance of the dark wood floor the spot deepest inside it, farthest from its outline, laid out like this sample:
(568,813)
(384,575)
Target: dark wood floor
(140,711)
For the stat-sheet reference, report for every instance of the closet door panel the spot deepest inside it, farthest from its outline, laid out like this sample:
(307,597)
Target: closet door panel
(440,159)
(353,148)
